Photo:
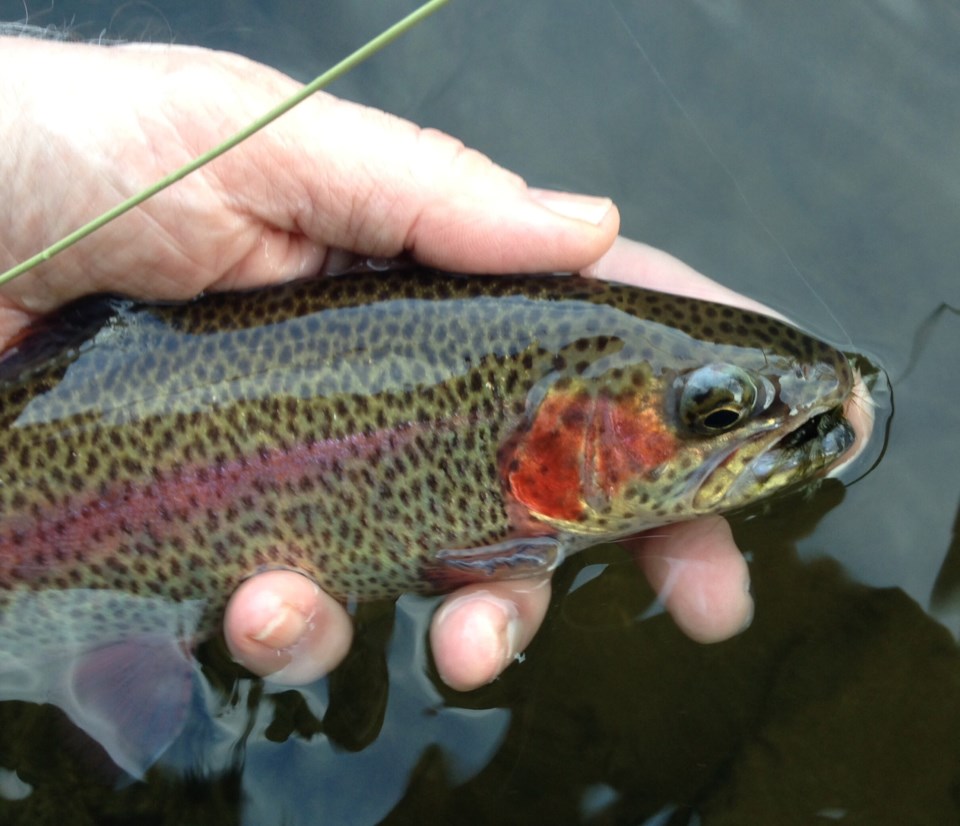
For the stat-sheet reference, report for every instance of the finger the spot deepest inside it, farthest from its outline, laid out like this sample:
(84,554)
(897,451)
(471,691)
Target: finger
(280,625)
(700,576)
(341,175)
(481,629)
(635,263)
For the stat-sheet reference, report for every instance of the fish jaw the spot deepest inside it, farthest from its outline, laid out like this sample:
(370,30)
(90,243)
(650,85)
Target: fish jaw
(804,448)
(860,410)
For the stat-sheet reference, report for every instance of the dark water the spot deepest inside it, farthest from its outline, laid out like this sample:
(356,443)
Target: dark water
(805,154)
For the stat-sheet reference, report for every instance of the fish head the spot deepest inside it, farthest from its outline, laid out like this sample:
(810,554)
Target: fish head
(750,432)
(698,425)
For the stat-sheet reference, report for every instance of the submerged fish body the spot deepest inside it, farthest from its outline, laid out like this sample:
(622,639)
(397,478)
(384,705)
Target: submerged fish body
(381,433)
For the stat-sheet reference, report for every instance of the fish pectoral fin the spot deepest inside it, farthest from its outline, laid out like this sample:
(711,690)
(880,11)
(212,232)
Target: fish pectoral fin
(516,558)
(115,663)
(132,697)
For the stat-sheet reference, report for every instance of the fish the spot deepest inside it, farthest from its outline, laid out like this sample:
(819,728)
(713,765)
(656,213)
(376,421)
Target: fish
(381,432)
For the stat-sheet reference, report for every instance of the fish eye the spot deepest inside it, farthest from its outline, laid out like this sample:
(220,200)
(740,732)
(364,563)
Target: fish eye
(716,398)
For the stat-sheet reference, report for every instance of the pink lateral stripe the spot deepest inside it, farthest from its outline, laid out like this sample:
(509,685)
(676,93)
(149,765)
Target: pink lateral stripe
(91,529)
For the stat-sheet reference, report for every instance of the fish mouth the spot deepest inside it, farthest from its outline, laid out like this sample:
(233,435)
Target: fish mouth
(772,461)
(820,440)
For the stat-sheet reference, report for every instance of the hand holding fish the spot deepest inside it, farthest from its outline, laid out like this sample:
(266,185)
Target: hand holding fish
(87,126)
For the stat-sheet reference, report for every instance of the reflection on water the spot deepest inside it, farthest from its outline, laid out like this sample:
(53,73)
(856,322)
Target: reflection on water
(608,720)
(756,144)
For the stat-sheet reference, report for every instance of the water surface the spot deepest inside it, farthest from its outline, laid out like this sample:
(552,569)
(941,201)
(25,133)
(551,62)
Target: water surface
(804,154)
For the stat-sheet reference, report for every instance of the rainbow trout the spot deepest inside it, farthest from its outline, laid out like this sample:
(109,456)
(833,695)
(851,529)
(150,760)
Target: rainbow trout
(381,433)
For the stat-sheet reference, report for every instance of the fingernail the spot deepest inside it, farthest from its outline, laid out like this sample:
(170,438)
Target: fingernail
(338,261)
(586,208)
(748,619)
(284,628)
(511,636)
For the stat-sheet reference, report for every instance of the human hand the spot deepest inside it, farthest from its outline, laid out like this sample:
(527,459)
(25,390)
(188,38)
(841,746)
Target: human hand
(88,126)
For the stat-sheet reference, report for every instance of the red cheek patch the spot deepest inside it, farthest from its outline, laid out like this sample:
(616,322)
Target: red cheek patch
(631,441)
(546,469)
(581,450)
